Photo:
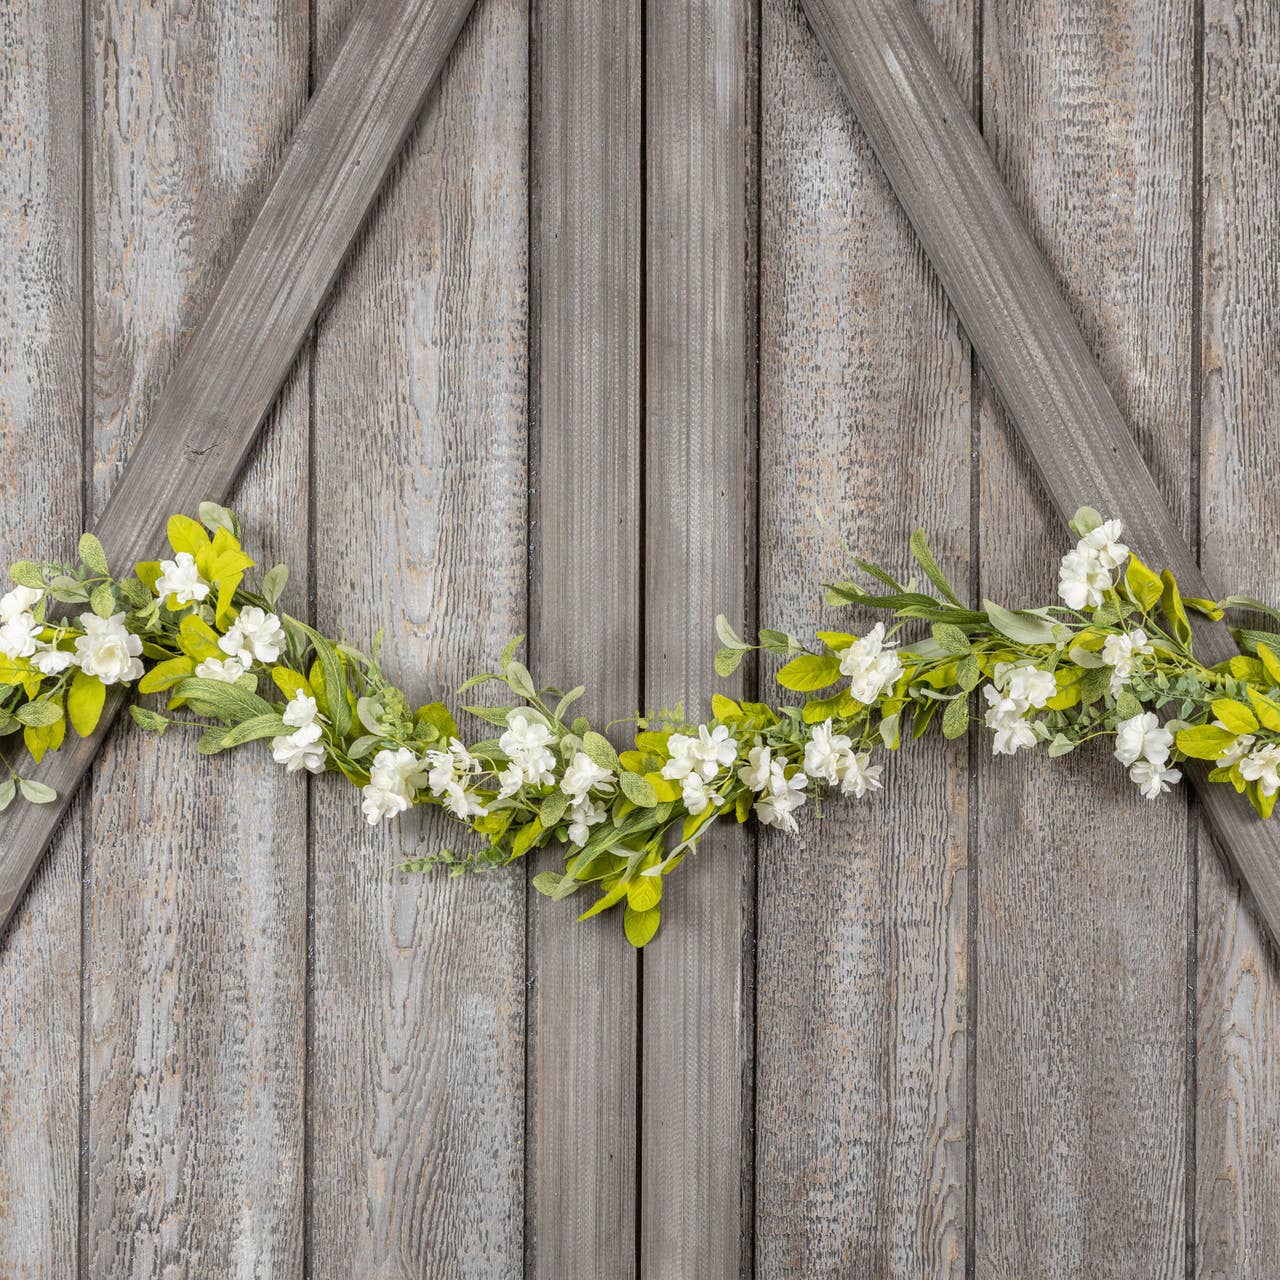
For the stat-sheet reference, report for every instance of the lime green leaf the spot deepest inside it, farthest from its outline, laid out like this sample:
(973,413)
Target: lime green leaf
(1171,603)
(84,703)
(1204,742)
(640,926)
(92,554)
(808,672)
(186,535)
(644,893)
(525,837)
(165,674)
(605,901)
(1235,715)
(1144,587)
(1268,712)
(334,680)
(725,708)
(1270,662)
(438,716)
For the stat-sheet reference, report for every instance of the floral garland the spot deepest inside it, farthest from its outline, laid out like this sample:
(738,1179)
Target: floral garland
(205,633)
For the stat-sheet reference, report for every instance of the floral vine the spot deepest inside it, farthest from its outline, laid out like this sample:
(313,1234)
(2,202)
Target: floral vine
(205,632)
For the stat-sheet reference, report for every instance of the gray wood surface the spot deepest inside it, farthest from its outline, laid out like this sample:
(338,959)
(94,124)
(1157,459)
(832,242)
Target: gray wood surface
(864,433)
(41,505)
(1082,921)
(416,1044)
(580,1195)
(699,536)
(1022,328)
(1237,1168)
(203,424)
(195,923)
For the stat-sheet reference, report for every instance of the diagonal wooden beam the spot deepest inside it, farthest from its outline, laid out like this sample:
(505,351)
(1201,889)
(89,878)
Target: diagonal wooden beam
(1009,303)
(210,410)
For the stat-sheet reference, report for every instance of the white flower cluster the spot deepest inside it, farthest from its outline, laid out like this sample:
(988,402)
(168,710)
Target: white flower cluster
(1027,688)
(301,749)
(527,744)
(449,774)
(181,579)
(393,780)
(20,633)
(1123,654)
(107,649)
(1142,746)
(871,665)
(581,778)
(1089,570)
(1257,764)
(695,763)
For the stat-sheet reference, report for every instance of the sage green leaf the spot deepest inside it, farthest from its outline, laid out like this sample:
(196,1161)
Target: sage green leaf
(147,719)
(37,792)
(547,882)
(601,752)
(1020,627)
(273,583)
(102,600)
(92,554)
(8,789)
(728,636)
(265,726)
(1061,745)
(509,651)
(637,789)
(335,681)
(568,700)
(27,574)
(37,715)
(215,517)
(780,643)
(227,702)
(552,809)
(968,673)
(727,660)
(1085,521)
(951,639)
(955,720)
(369,712)
(919,547)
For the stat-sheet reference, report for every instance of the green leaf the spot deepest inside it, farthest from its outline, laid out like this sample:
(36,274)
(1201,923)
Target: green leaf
(165,674)
(547,883)
(968,673)
(779,643)
(808,672)
(37,792)
(252,730)
(525,837)
(1248,602)
(509,651)
(1061,745)
(728,636)
(605,901)
(640,926)
(552,809)
(1024,628)
(637,790)
(951,639)
(273,583)
(955,720)
(85,700)
(1235,715)
(1144,587)
(1204,742)
(924,558)
(1171,603)
(215,517)
(644,893)
(369,712)
(92,554)
(224,701)
(727,660)
(600,750)
(102,600)
(39,714)
(1085,521)
(8,789)
(27,574)
(1269,661)
(520,680)
(334,679)
(1268,712)
(147,719)
(568,700)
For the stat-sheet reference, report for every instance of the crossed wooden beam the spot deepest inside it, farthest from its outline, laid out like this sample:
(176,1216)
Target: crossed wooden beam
(995,276)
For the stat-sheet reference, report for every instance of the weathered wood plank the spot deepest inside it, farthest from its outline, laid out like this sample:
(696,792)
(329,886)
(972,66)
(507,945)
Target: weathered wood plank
(205,420)
(41,448)
(1237,1193)
(195,951)
(861,981)
(1023,330)
(418,1001)
(585,617)
(1084,897)
(696,1152)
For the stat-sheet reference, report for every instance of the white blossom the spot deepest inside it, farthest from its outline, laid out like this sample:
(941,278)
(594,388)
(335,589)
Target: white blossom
(583,775)
(825,752)
(696,793)
(1142,737)
(301,749)
(1121,654)
(1236,749)
(684,759)
(1153,778)
(19,600)
(1082,579)
(19,636)
(1005,716)
(49,660)
(526,744)
(858,775)
(755,774)
(1262,765)
(108,649)
(1104,542)
(448,769)
(301,711)
(583,816)
(227,670)
(714,749)
(871,665)
(393,778)
(1031,686)
(255,636)
(776,808)
(181,579)
(463,803)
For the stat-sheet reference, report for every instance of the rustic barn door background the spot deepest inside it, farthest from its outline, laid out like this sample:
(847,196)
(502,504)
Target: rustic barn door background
(636,306)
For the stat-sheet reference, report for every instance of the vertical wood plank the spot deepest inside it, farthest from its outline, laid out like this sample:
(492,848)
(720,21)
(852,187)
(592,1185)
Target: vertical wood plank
(696,1156)
(1238,1000)
(41,447)
(196,932)
(1084,901)
(865,417)
(420,392)
(585,616)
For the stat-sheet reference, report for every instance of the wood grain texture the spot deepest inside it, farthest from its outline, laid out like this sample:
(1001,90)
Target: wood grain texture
(1084,897)
(203,424)
(417,1046)
(41,326)
(1237,1210)
(695,1148)
(195,952)
(585,607)
(861,982)
(1023,329)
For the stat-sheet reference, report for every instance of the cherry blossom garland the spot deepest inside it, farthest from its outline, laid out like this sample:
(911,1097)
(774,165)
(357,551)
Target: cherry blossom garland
(203,630)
